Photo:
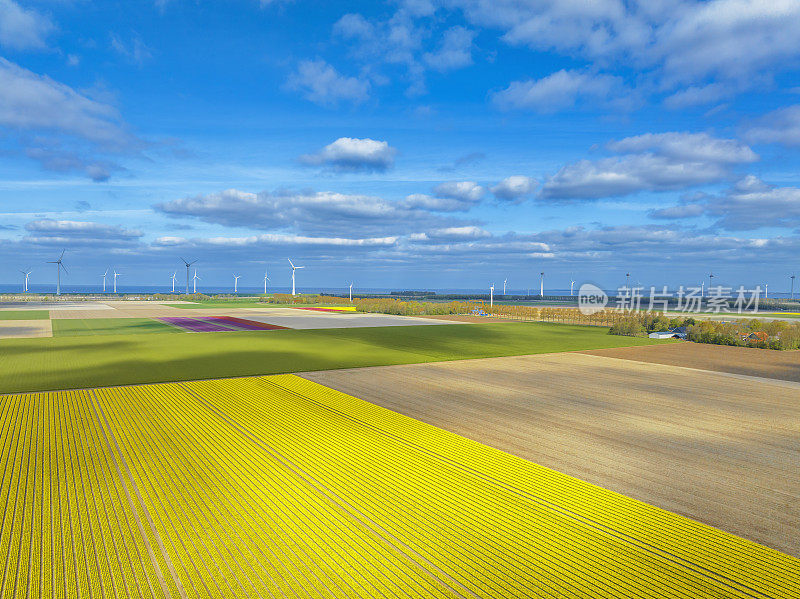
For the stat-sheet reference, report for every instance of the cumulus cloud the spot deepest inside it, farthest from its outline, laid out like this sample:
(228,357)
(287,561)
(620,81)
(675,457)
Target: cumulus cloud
(620,176)
(561,90)
(652,162)
(514,188)
(690,147)
(348,154)
(463,191)
(697,51)
(21,28)
(752,204)
(748,205)
(452,234)
(322,84)
(306,212)
(779,126)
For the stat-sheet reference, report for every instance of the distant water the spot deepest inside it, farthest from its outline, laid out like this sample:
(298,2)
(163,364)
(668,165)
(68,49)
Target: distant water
(211,290)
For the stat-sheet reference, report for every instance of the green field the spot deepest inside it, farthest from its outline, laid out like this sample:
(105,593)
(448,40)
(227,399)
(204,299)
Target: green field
(70,327)
(97,361)
(24,314)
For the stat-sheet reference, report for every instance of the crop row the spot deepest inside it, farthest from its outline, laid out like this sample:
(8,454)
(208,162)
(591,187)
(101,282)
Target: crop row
(279,487)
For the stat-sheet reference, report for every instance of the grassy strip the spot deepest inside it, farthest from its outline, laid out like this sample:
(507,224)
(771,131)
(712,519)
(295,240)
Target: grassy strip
(221,304)
(24,314)
(71,327)
(96,361)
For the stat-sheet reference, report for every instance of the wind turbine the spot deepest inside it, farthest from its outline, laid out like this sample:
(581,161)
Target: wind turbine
(791,295)
(766,290)
(236,283)
(294,268)
(710,281)
(104,280)
(175,274)
(59,265)
(351,293)
(504,286)
(27,274)
(571,284)
(195,278)
(188,264)
(541,284)
(266,278)
(491,295)
(116,274)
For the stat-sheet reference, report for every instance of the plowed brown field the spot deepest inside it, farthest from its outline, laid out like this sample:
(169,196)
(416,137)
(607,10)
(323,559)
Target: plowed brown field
(719,449)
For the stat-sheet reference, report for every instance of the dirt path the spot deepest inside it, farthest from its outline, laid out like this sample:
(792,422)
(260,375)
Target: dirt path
(719,449)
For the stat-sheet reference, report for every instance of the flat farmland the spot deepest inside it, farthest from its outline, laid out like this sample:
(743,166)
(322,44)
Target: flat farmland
(279,487)
(116,359)
(749,361)
(719,449)
(71,327)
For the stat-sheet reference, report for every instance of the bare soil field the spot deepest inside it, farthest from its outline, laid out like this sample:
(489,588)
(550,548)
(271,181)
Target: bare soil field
(719,449)
(749,361)
(20,329)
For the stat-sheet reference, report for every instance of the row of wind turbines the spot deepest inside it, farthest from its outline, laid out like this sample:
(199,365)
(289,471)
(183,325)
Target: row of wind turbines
(60,266)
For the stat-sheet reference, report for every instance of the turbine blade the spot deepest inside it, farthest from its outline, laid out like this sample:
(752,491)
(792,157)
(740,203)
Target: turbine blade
(64,267)
(62,253)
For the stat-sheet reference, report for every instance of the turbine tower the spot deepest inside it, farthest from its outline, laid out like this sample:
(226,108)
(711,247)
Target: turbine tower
(175,274)
(294,268)
(351,293)
(188,264)
(710,281)
(236,283)
(627,280)
(541,284)
(104,280)
(504,286)
(572,284)
(791,293)
(266,278)
(195,278)
(491,295)
(59,265)
(27,274)
(116,274)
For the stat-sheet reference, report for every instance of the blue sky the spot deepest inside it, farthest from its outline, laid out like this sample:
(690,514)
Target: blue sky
(415,143)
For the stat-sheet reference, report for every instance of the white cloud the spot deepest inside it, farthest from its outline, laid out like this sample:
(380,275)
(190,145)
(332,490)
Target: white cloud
(62,129)
(306,212)
(714,47)
(320,83)
(454,52)
(779,126)
(608,177)
(353,154)
(32,102)
(514,188)
(560,90)
(23,29)
(452,196)
(753,204)
(691,147)
(274,239)
(464,191)
(652,162)
(79,233)
(678,212)
(135,51)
